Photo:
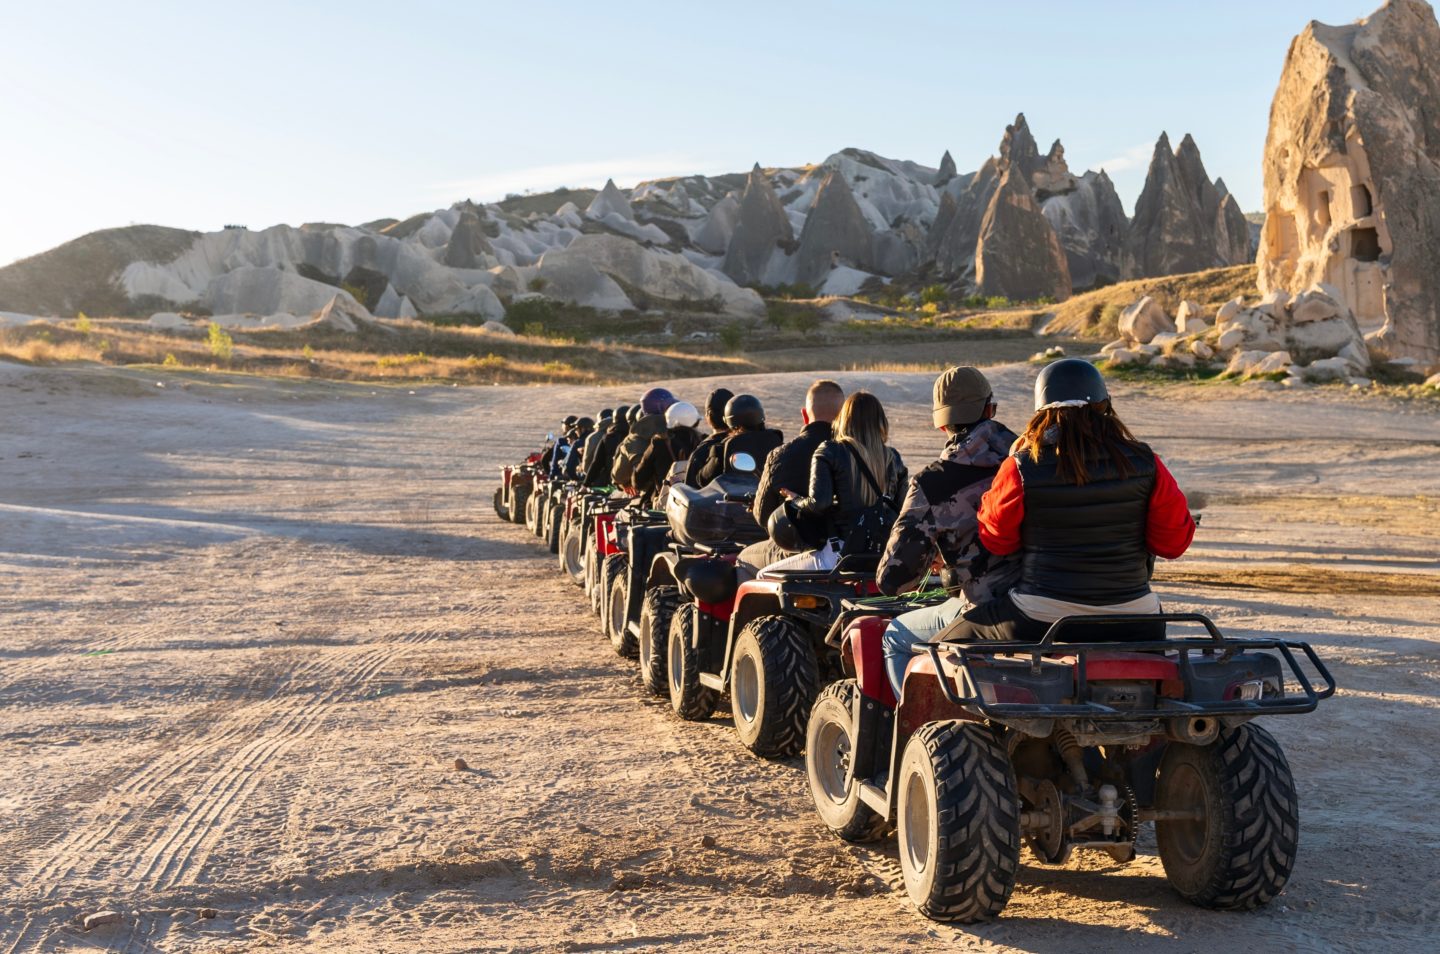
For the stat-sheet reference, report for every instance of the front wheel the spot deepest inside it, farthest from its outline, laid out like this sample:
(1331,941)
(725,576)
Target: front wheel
(617,624)
(519,498)
(829,744)
(614,568)
(1238,850)
(655,614)
(958,822)
(572,561)
(554,517)
(532,513)
(501,511)
(690,700)
(773,682)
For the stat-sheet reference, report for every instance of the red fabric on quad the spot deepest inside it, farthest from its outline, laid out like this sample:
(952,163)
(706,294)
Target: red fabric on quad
(867,645)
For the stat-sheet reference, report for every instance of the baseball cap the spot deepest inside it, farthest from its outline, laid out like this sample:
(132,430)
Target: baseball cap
(961,395)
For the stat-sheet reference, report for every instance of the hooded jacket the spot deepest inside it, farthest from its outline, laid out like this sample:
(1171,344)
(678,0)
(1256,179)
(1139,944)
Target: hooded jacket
(627,455)
(597,470)
(940,516)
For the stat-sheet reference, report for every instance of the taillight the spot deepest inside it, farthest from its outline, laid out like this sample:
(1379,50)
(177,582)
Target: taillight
(999,692)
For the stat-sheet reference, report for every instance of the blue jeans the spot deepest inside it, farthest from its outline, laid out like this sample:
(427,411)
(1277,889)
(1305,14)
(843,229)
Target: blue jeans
(908,630)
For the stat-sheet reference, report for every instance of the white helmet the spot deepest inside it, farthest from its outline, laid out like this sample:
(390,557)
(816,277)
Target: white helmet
(681,414)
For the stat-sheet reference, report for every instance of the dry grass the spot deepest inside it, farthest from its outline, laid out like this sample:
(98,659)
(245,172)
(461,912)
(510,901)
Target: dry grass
(1082,316)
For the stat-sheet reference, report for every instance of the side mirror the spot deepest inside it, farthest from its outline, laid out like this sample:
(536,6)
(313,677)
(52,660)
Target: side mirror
(550,437)
(742,463)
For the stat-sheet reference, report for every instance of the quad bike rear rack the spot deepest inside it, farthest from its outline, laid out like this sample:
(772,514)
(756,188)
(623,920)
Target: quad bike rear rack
(967,659)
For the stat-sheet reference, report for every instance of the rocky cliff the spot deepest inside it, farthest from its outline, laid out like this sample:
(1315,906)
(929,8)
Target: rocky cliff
(1352,174)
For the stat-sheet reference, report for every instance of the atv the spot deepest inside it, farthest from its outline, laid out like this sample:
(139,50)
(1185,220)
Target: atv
(639,533)
(516,482)
(1066,746)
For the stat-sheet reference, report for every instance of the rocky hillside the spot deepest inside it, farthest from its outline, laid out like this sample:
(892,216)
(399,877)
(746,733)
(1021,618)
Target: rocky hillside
(1023,226)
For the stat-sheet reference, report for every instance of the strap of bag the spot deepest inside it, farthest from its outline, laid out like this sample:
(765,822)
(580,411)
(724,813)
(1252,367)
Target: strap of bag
(869,477)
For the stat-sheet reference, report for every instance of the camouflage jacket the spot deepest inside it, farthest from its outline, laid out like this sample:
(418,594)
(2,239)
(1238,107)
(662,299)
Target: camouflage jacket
(939,514)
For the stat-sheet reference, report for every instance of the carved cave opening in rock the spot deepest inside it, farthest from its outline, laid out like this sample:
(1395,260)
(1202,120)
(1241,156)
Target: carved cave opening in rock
(1360,201)
(1365,244)
(1322,210)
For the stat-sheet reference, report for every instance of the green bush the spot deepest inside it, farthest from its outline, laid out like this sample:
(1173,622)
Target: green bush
(221,344)
(732,336)
(933,295)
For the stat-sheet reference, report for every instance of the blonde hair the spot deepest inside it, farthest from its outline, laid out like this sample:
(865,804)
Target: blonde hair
(862,424)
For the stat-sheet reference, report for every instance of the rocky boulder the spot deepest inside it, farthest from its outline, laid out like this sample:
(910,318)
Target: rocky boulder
(714,236)
(836,233)
(468,247)
(1091,223)
(1352,173)
(662,276)
(1143,320)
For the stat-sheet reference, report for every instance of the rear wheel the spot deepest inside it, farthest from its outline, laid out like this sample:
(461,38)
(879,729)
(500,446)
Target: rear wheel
(554,517)
(617,625)
(773,682)
(532,513)
(501,510)
(655,614)
(572,561)
(592,578)
(519,498)
(614,567)
(958,821)
(1239,850)
(829,742)
(690,700)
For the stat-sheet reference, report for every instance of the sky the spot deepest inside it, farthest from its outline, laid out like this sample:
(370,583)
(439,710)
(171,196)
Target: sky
(200,114)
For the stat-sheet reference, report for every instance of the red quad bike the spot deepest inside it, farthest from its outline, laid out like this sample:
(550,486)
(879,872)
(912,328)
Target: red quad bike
(516,482)
(602,542)
(1066,745)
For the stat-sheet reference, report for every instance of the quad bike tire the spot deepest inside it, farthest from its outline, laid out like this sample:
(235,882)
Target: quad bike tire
(829,743)
(617,624)
(958,822)
(1239,855)
(612,579)
(532,514)
(572,560)
(592,579)
(519,497)
(774,678)
(553,519)
(501,511)
(689,699)
(655,614)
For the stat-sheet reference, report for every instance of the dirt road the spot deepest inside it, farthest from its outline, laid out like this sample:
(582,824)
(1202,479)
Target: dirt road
(249,626)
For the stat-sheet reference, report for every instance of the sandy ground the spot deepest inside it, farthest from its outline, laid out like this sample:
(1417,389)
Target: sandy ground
(249,626)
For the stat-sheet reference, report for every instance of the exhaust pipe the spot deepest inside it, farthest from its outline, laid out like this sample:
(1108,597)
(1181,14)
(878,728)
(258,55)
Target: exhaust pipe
(1194,730)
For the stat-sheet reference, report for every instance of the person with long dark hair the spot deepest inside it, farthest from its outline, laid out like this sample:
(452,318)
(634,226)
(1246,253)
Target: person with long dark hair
(1088,507)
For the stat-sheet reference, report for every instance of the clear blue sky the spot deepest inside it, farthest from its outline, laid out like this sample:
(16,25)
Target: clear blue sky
(202,113)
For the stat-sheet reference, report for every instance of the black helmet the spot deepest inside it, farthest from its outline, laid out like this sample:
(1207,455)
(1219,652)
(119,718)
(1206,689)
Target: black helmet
(569,421)
(622,413)
(1069,382)
(715,407)
(606,413)
(745,412)
(791,529)
(585,425)
(636,412)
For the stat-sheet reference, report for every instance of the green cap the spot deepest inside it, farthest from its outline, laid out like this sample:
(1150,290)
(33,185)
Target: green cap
(961,396)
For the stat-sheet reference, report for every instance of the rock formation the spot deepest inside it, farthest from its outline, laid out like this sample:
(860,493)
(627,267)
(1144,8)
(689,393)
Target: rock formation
(1091,224)
(1232,229)
(1018,254)
(1352,174)
(714,236)
(610,201)
(467,246)
(947,170)
(761,228)
(1053,176)
(1168,234)
(836,233)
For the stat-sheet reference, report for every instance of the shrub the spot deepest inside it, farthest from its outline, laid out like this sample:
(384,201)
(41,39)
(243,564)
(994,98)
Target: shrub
(491,362)
(537,284)
(83,323)
(1108,324)
(933,295)
(732,336)
(403,360)
(531,311)
(556,367)
(308,353)
(806,321)
(221,344)
(170,360)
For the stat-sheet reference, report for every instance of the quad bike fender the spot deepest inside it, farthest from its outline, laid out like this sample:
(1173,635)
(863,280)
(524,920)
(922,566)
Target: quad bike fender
(754,599)
(863,650)
(606,542)
(664,570)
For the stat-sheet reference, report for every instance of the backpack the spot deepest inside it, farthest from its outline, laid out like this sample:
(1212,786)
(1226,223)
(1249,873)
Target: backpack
(869,531)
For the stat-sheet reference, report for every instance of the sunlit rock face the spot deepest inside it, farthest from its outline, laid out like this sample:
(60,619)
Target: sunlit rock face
(1352,174)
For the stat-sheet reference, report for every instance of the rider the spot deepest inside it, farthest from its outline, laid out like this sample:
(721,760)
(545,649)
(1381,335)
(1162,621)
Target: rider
(651,424)
(1088,507)
(788,466)
(668,451)
(597,469)
(939,516)
(849,474)
(745,419)
(715,416)
(584,429)
(554,453)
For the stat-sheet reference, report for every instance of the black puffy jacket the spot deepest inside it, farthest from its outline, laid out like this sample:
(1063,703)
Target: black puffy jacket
(835,481)
(757,443)
(1086,543)
(597,469)
(788,467)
